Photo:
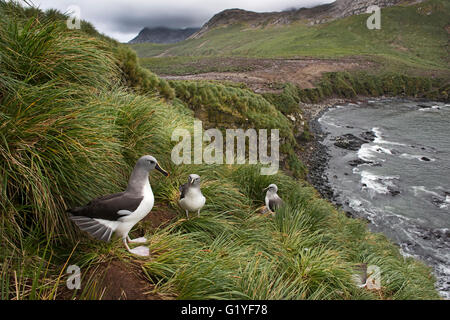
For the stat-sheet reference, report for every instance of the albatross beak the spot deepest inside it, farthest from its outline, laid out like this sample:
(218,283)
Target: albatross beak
(164,172)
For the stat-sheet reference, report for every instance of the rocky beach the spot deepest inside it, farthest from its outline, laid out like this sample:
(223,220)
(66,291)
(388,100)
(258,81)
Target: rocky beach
(375,179)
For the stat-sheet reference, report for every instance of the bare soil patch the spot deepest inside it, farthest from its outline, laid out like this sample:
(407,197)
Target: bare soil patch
(123,281)
(264,73)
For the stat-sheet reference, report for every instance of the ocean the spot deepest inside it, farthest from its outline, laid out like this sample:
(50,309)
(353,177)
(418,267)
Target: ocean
(390,164)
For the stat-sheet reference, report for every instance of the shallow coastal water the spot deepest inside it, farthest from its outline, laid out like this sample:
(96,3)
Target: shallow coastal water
(390,164)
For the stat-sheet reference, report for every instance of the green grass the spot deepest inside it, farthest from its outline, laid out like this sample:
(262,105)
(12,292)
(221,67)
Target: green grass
(412,40)
(353,84)
(75,115)
(193,65)
(230,106)
(225,106)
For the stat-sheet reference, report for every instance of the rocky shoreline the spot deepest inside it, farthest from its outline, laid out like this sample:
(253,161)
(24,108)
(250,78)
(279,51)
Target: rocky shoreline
(314,154)
(317,157)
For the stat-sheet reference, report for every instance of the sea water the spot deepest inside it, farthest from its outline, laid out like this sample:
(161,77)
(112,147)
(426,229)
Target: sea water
(403,184)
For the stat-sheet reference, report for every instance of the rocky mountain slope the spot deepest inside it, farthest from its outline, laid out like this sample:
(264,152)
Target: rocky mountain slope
(163,35)
(315,15)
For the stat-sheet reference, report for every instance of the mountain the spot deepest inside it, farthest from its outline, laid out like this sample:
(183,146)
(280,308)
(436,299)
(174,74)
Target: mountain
(315,15)
(163,35)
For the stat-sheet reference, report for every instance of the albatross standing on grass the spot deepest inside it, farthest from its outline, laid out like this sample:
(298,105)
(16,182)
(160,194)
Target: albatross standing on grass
(273,201)
(191,198)
(119,213)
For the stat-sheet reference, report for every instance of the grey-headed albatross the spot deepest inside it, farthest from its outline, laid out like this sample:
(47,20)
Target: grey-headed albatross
(191,197)
(273,201)
(119,213)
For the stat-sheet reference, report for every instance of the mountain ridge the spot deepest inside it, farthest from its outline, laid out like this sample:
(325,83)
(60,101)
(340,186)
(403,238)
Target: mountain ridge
(314,15)
(163,35)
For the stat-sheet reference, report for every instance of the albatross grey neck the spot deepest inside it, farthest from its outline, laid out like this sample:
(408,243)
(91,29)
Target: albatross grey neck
(138,180)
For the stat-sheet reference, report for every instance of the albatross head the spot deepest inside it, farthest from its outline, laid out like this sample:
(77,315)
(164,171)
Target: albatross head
(194,180)
(271,189)
(149,163)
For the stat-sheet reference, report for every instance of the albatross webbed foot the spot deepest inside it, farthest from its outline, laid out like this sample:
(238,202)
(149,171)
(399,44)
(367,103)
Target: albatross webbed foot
(141,251)
(138,240)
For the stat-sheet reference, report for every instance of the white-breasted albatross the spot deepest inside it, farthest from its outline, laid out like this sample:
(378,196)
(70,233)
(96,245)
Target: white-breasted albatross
(191,197)
(119,213)
(273,201)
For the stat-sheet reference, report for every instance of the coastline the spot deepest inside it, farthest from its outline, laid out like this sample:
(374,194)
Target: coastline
(318,163)
(314,154)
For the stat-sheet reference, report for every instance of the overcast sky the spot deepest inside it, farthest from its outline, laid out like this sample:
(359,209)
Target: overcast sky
(123,19)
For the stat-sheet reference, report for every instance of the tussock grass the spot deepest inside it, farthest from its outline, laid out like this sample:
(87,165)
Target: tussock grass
(66,138)
(299,254)
(227,106)
(53,127)
(232,106)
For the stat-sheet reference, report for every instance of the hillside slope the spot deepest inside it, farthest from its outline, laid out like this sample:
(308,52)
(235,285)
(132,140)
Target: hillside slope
(77,110)
(413,40)
(316,15)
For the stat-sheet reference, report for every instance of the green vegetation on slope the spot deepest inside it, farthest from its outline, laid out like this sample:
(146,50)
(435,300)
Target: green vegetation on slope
(232,107)
(351,85)
(70,130)
(226,106)
(412,39)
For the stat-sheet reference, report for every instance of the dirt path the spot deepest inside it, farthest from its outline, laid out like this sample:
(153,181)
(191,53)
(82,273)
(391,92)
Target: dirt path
(267,72)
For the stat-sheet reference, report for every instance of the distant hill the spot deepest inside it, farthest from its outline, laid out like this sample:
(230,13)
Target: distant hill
(315,15)
(163,35)
(413,38)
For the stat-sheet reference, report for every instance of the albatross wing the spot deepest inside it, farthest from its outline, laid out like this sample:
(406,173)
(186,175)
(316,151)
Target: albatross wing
(275,203)
(98,217)
(184,189)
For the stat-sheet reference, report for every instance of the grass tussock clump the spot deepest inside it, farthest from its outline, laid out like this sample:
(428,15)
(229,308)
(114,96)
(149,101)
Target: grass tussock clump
(347,85)
(232,106)
(53,128)
(350,85)
(140,79)
(308,251)
(66,138)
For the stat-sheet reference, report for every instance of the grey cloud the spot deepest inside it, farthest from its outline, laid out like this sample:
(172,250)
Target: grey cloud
(131,24)
(124,19)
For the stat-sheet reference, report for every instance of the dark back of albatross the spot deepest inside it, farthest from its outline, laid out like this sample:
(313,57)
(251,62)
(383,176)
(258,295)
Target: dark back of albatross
(119,213)
(273,201)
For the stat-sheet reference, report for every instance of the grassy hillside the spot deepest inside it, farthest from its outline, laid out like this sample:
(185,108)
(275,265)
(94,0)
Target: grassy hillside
(412,40)
(77,110)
